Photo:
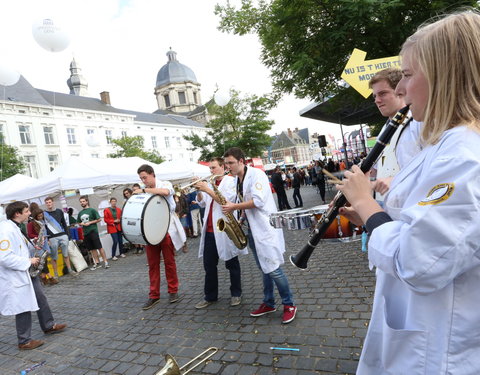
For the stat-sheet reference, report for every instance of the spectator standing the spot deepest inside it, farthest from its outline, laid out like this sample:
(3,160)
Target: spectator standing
(112,216)
(279,187)
(57,230)
(88,218)
(195,213)
(297,198)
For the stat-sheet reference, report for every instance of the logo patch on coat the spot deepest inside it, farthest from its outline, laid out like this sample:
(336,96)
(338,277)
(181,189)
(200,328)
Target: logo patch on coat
(258,186)
(438,194)
(4,245)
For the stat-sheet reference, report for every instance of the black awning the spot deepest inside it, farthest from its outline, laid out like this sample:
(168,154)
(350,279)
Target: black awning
(340,109)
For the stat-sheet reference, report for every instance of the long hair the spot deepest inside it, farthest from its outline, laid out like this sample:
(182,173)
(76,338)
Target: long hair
(447,52)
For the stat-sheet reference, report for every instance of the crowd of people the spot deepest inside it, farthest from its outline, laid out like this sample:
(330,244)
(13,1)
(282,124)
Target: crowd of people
(425,308)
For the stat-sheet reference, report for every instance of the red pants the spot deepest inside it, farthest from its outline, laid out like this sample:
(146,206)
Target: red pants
(153,257)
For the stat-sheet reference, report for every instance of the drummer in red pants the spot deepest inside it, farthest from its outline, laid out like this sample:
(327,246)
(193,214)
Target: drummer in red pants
(164,248)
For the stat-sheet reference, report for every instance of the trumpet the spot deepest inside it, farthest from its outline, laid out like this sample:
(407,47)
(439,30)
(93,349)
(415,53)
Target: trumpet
(190,186)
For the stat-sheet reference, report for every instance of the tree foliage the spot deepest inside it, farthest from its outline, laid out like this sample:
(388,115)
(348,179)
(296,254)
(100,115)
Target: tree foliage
(241,123)
(133,146)
(307,43)
(11,162)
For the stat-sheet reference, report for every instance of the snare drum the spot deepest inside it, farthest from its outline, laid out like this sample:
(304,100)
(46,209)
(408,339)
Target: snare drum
(340,230)
(145,219)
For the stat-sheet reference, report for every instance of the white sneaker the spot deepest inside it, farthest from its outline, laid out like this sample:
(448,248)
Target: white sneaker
(115,258)
(123,256)
(94,267)
(106,265)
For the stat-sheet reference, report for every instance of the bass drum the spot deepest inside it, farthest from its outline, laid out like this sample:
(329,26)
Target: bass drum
(145,219)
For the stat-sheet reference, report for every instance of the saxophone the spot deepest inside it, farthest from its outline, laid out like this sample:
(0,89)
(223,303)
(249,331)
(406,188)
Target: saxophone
(35,270)
(231,227)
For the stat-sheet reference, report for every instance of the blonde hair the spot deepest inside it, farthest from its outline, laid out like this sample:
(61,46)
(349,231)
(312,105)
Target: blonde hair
(447,52)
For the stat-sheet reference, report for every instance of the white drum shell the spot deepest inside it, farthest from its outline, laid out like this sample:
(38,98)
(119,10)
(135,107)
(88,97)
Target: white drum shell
(145,219)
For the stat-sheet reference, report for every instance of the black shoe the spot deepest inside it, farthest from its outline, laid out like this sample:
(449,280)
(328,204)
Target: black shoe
(150,303)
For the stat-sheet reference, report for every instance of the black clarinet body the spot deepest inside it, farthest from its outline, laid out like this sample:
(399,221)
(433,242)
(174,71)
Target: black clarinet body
(300,260)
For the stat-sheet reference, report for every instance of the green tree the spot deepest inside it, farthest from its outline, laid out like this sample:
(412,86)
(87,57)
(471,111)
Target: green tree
(241,123)
(133,146)
(11,162)
(307,43)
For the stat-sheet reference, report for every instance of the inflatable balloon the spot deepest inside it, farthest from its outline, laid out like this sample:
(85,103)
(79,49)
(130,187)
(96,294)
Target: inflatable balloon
(221,97)
(92,141)
(8,76)
(50,35)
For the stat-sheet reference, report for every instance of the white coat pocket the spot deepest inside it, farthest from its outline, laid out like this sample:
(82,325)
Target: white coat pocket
(403,350)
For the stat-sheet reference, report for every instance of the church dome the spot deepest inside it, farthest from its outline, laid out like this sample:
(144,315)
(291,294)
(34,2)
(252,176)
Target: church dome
(174,72)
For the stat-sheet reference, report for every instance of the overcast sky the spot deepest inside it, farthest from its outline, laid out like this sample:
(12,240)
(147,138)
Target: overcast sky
(121,44)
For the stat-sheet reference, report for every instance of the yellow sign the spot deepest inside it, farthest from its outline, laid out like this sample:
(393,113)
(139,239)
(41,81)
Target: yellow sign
(358,71)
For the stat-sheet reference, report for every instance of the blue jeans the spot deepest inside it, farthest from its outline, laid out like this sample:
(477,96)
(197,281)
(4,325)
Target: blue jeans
(117,240)
(277,277)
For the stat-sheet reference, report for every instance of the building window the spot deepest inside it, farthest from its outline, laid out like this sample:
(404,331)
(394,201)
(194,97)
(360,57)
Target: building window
(166,97)
(167,142)
(169,157)
(108,136)
(25,136)
(75,155)
(71,136)
(181,97)
(154,141)
(95,156)
(52,162)
(195,98)
(179,142)
(124,133)
(48,134)
(90,131)
(31,166)
(181,156)
(191,157)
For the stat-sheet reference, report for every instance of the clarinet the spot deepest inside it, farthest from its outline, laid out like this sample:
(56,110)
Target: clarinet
(300,260)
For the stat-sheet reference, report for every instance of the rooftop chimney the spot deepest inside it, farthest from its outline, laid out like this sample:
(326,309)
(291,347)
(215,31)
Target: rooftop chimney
(289,132)
(105,97)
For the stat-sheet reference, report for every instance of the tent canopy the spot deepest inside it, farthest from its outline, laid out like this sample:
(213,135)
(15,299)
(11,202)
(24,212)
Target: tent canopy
(78,173)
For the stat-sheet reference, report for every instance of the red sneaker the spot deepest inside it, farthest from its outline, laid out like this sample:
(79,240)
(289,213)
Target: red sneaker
(262,310)
(288,314)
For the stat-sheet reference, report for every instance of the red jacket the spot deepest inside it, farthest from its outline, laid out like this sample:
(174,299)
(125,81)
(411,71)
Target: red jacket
(108,218)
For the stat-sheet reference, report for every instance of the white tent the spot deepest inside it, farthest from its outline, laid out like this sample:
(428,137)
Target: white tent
(15,182)
(78,173)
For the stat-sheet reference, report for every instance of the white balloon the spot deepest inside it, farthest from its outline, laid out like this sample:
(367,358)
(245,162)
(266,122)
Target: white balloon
(222,97)
(92,141)
(50,35)
(8,76)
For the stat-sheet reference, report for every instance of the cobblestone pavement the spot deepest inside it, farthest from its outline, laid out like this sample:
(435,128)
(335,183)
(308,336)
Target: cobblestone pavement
(109,333)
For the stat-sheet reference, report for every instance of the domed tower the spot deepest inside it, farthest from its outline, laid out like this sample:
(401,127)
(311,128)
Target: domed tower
(77,83)
(177,89)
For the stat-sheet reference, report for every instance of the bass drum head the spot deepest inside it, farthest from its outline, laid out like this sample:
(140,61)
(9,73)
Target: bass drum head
(145,219)
(155,220)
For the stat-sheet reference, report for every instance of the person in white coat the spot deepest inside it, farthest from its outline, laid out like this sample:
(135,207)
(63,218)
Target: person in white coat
(255,198)
(21,294)
(173,240)
(426,243)
(215,245)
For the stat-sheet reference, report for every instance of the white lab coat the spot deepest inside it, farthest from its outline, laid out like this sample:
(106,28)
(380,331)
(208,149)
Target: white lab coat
(402,148)
(225,247)
(269,241)
(16,288)
(175,229)
(426,310)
